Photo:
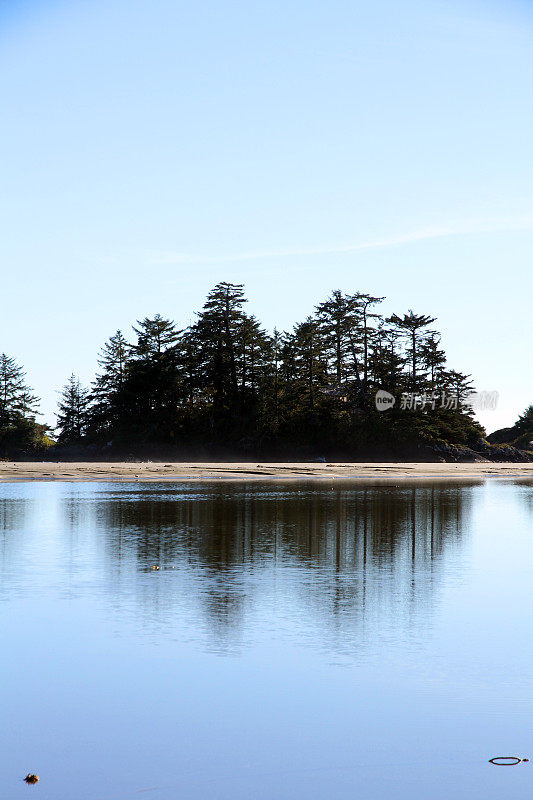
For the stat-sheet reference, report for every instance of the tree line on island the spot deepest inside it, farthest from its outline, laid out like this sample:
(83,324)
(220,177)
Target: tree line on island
(226,384)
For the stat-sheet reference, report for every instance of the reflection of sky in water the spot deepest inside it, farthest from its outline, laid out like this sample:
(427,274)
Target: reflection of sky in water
(291,631)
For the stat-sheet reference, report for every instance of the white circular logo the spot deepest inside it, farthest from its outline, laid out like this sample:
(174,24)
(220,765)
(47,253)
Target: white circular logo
(384,400)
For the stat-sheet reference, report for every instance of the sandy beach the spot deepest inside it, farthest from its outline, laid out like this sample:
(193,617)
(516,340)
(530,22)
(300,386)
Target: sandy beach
(155,471)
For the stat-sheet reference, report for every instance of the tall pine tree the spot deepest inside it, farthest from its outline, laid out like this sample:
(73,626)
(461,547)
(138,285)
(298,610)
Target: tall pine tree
(72,417)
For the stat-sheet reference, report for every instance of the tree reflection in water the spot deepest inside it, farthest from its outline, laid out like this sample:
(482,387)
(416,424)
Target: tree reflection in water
(339,557)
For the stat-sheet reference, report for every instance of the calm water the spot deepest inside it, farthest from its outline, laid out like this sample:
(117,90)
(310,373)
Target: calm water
(299,640)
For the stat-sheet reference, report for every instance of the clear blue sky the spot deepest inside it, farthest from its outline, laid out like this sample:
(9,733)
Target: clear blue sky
(151,148)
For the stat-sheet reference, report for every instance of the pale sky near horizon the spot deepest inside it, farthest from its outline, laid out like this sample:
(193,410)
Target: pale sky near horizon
(153,148)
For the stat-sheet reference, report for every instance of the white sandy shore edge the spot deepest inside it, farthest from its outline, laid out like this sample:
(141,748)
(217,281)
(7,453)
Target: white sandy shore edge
(155,471)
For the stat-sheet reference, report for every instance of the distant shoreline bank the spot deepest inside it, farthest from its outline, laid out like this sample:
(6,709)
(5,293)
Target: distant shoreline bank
(148,471)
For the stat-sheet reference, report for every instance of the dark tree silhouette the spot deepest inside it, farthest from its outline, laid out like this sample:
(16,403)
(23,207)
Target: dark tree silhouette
(525,421)
(16,398)
(72,417)
(19,406)
(225,382)
(412,324)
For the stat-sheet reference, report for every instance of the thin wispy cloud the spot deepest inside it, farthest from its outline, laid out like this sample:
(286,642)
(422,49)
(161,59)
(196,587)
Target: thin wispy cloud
(437,232)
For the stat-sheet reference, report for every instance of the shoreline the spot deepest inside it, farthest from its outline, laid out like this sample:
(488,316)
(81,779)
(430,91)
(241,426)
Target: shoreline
(148,471)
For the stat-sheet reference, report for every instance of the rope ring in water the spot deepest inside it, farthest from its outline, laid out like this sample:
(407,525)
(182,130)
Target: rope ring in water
(505,761)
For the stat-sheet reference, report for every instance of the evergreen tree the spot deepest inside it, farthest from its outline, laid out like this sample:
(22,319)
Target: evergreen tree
(525,421)
(457,385)
(365,302)
(392,357)
(154,336)
(340,321)
(254,348)
(28,404)
(217,333)
(19,432)
(105,409)
(433,359)
(272,404)
(192,375)
(16,398)
(412,325)
(311,372)
(151,390)
(72,416)
(112,360)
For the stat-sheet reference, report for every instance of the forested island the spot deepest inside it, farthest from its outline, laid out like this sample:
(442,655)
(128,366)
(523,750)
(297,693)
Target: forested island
(225,387)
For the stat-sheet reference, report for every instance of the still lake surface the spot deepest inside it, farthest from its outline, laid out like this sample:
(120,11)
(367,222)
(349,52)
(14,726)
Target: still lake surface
(321,640)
